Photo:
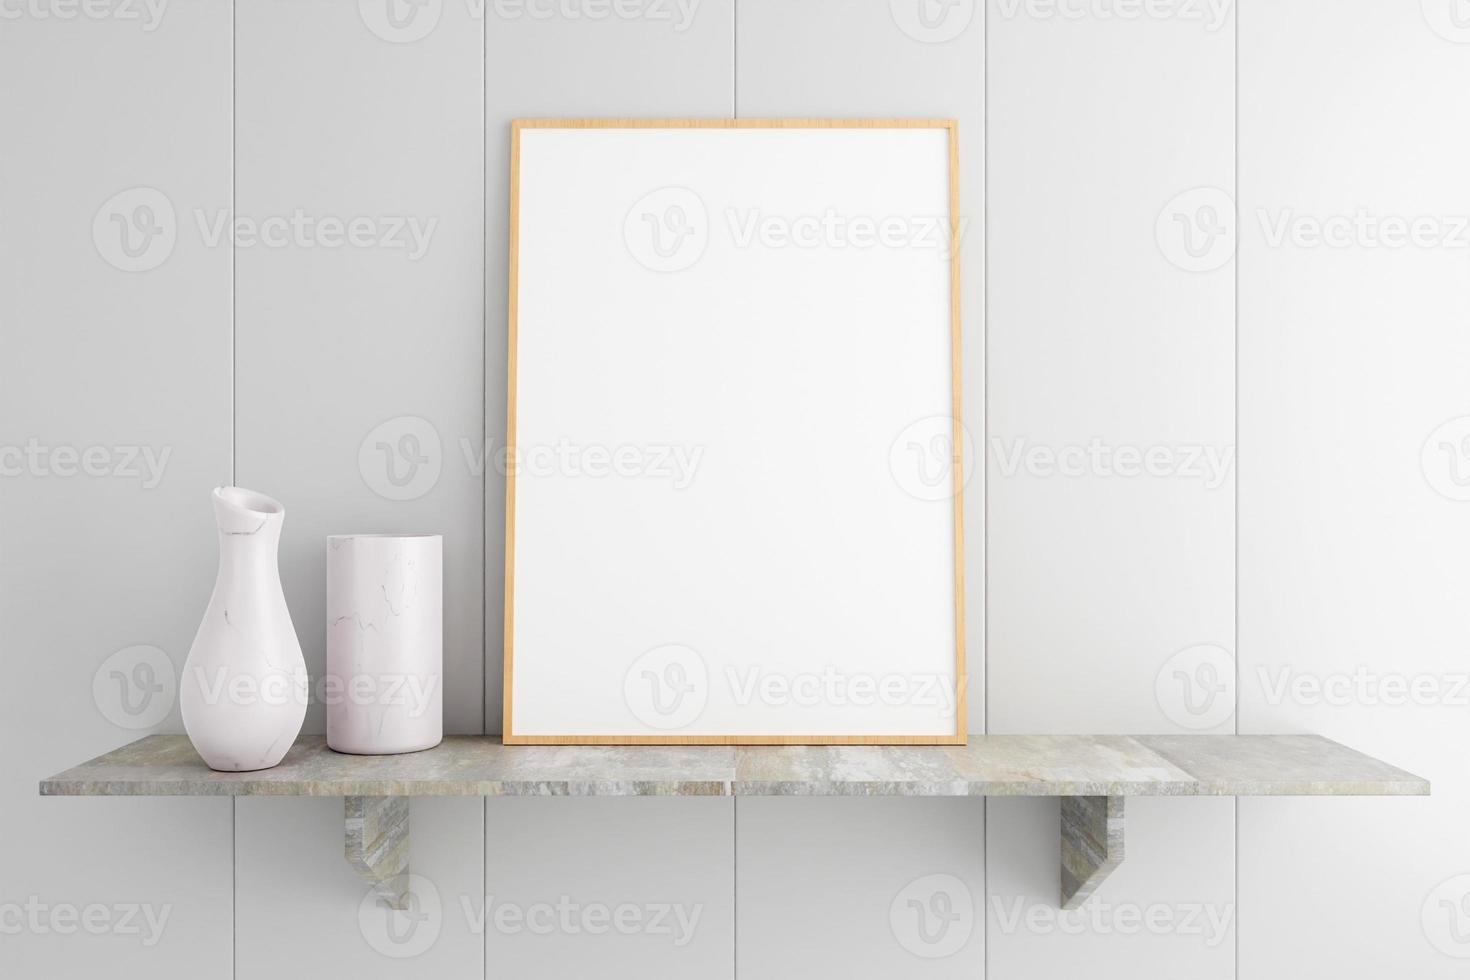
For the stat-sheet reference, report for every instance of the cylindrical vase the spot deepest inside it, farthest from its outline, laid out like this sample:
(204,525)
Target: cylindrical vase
(384,686)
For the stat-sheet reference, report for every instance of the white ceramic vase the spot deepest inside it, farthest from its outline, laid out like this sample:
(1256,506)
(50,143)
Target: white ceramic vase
(244,692)
(385,643)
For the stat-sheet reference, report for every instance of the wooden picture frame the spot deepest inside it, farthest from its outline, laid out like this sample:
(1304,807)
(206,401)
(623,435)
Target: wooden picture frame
(518,732)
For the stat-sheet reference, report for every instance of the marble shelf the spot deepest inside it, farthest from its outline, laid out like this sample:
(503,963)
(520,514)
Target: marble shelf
(1093,774)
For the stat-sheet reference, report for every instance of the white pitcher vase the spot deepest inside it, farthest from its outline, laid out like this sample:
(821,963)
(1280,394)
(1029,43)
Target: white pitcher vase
(244,691)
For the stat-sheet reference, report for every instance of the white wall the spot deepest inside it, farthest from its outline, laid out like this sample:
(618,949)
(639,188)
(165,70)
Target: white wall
(1091,145)
(1099,344)
(104,578)
(338,350)
(1354,466)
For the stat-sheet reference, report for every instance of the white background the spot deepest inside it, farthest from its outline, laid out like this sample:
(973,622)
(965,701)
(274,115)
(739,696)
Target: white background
(1331,365)
(787,555)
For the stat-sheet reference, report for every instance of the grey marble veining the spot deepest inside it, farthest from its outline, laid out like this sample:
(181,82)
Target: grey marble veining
(991,765)
(612,770)
(994,765)
(1069,765)
(849,770)
(462,765)
(1282,765)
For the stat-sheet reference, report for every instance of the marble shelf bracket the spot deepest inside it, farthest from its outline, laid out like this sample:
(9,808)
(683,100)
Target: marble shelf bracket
(377,844)
(1092,844)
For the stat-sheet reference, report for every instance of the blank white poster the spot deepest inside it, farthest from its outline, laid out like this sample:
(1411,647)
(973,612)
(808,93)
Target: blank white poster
(732,460)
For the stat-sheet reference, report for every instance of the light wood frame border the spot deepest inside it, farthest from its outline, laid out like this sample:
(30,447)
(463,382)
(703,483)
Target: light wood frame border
(956,369)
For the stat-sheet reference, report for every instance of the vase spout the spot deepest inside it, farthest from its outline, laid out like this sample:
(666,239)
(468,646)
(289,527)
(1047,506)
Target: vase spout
(245,512)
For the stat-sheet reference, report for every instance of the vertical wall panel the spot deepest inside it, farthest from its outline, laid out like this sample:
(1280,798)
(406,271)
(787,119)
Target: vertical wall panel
(359,335)
(806,906)
(1105,346)
(305,913)
(619,888)
(359,200)
(1168,911)
(114,425)
(1110,437)
(861,888)
(630,59)
(1355,300)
